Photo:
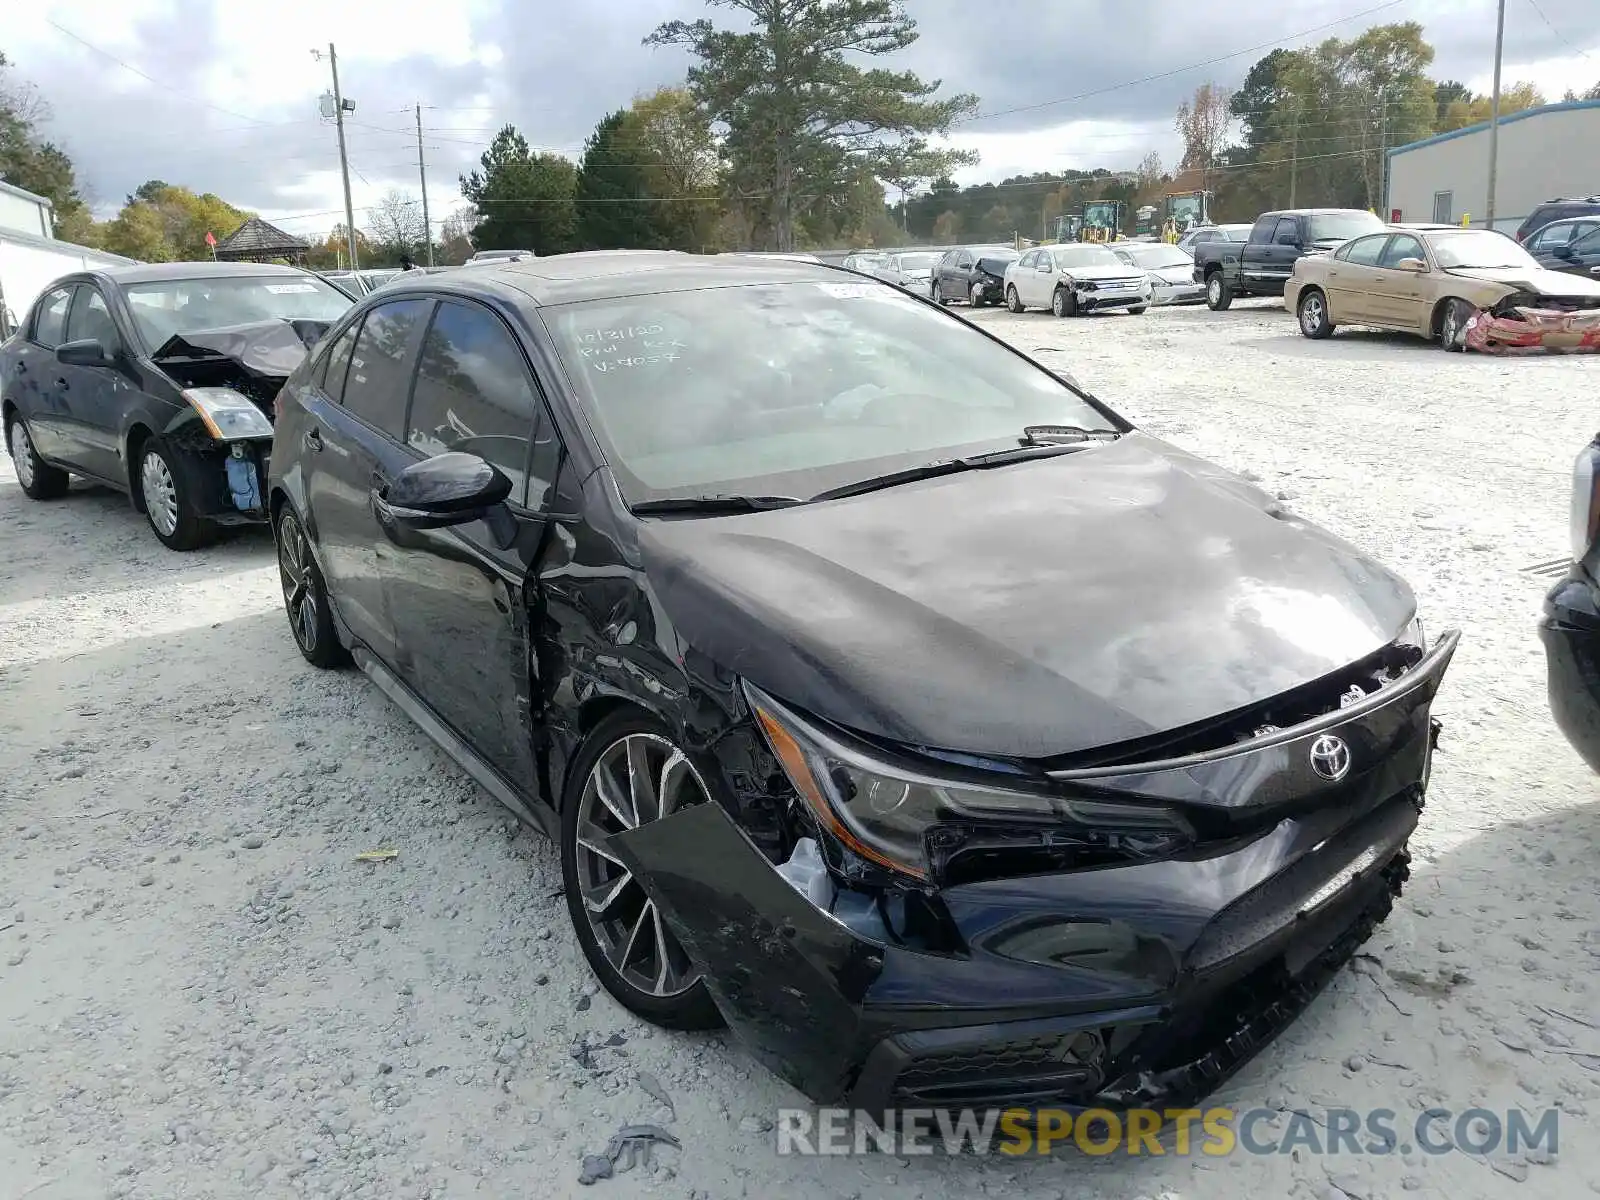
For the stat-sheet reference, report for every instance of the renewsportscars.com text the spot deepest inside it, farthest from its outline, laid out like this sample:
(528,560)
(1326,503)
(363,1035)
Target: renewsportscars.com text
(1214,1132)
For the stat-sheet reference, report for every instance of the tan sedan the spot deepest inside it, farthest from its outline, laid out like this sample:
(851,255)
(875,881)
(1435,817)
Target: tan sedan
(1458,286)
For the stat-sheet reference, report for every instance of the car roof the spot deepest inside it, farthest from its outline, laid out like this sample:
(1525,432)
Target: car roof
(155,272)
(615,274)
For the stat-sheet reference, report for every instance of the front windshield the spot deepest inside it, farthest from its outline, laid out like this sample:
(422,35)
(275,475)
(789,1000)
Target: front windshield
(1481,249)
(164,307)
(1153,258)
(1341,227)
(1087,256)
(791,389)
(918,262)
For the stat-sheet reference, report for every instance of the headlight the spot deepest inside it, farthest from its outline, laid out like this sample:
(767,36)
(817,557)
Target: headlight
(1585,502)
(885,812)
(229,415)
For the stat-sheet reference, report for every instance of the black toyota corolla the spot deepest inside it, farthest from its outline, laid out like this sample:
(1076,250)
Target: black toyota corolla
(891,699)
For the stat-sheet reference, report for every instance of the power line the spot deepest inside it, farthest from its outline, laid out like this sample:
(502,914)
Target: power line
(1116,87)
(1570,43)
(193,99)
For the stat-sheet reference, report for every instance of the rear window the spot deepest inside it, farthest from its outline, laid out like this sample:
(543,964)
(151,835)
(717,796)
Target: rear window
(1327,227)
(50,326)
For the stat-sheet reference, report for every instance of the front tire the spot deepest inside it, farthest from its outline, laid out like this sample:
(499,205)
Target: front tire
(974,296)
(1014,301)
(305,596)
(1453,325)
(1312,312)
(38,479)
(627,773)
(1218,294)
(166,502)
(1064,303)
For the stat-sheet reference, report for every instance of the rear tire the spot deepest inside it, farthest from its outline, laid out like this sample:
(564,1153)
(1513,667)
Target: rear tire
(633,930)
(1312,312)
(1014,301)
(38,479)
(305,596)
(1219,295)
(166,501)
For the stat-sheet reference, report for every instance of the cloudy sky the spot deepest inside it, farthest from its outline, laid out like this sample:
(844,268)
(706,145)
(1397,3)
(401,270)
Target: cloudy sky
(221,95)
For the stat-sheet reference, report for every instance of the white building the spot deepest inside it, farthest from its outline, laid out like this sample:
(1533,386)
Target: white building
(1544,154)
(31,257)
(23,212)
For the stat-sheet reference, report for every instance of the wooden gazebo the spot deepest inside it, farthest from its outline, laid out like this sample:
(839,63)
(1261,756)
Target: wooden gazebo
(256,241)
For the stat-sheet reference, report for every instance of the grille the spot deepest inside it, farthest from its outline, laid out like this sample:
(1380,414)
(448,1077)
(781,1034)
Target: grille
(1035,1069)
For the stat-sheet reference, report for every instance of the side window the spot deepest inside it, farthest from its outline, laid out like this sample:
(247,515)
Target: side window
(91,319)
(1552,236)
(1029,259)
(949,260)
(50,324)
(1588,240)
(1401,246)
(1363,252)
(1287,233)
(474,394)
(1261,231)
(379,379)
(335,363)
(964,261)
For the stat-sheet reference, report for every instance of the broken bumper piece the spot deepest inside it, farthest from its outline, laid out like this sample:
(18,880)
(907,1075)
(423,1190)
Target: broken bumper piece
(1133,986)
(1525,329)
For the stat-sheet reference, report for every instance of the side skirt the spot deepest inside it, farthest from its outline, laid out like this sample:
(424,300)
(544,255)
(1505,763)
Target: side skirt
(537,815)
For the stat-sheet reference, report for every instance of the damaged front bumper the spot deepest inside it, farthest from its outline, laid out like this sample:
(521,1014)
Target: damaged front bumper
(1135,985)
(1532,328)
(225,482)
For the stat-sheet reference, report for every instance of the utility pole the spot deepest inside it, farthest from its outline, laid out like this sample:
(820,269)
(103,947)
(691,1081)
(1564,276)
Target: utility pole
(1494,112)
(340,107)
(1294,155)
(422,175)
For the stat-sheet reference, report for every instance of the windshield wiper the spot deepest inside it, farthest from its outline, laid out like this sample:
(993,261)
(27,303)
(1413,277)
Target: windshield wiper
(715,504)
(972,462)
(1047,435)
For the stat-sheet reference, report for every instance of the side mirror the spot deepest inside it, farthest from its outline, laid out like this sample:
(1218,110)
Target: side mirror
(1411,264)
(87,352)
(1594,270)
(448,489)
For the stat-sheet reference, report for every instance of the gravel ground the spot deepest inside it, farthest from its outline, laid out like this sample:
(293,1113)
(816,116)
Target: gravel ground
(204,994)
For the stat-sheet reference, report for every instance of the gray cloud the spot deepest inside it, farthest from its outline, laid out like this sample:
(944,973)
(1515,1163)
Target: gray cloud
(559,75)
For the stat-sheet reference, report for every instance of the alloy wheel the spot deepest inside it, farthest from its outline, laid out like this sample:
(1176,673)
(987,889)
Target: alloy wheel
(294,573)
(1311,315)
(639,778)
(1450,327)
(22,452)
(160,493)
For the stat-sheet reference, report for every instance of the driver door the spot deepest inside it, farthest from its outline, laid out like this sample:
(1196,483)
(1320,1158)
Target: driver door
(455,595)
(93,399)
(1041,280)
(1399,298)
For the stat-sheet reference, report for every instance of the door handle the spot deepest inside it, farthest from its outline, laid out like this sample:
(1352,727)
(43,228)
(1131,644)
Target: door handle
(312,439)
(61,383)
(22,367)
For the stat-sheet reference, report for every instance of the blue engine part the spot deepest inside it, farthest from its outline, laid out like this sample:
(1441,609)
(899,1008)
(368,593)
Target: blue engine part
(244,484)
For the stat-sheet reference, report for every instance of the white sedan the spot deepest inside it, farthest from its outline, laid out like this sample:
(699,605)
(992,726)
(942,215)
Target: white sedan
(1075,278)
(1169,269)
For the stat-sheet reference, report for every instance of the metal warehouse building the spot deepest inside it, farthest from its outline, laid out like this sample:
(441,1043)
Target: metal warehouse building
(1545,153)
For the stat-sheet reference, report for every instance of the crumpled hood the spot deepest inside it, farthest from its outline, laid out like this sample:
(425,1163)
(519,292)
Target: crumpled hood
(1101,274)
(272,349)
(1545,282)
(1030,610)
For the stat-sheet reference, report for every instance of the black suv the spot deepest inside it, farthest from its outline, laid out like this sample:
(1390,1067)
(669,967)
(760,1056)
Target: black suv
(1556,210)
(834,640)
(1571,245)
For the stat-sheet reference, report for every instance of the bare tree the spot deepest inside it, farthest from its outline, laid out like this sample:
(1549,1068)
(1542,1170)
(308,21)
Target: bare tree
(395,222)
(1203,123)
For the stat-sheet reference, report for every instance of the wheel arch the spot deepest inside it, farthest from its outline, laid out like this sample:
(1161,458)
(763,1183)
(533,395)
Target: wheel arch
(132,443)
(1436,318)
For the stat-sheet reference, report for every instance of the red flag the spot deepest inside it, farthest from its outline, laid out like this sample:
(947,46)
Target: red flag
(211,239)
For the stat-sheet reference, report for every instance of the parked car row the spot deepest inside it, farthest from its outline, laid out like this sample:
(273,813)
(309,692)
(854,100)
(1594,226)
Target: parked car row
(676,555)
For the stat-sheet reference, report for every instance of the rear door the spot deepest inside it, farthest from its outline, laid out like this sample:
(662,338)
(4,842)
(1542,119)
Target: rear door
(1352,277)
(456,596)
(93,398)
(352,444)
(1398,297)
(34,382)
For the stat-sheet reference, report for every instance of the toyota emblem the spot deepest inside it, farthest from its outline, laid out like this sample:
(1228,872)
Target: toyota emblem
(1330,757)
